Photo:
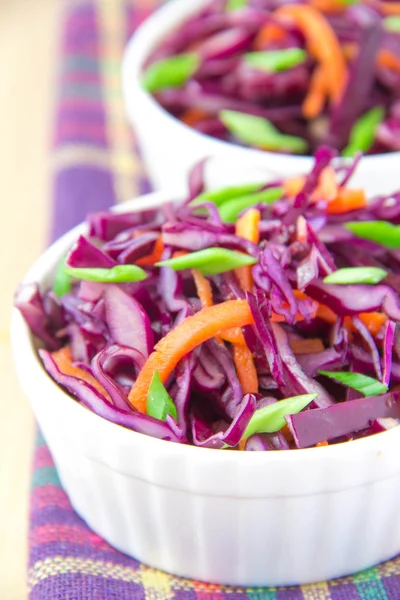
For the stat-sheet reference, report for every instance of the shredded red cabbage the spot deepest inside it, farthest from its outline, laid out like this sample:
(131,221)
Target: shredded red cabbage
(301,325)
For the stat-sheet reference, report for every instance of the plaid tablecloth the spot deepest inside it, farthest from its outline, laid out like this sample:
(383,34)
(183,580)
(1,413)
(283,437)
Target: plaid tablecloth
(96,165)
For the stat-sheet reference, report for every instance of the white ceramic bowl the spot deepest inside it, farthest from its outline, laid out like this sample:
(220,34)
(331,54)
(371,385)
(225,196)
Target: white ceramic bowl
(170,148)
(239,518)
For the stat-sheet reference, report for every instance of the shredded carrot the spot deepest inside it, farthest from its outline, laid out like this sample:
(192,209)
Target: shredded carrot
(242,444)
(301,230)
(190,333)
(389,60)
(385,58)
(326,314)
(320,444)
(64,362)
(203,288)
(346,201)
(242,356)
(310,346)
(322,44)
(245,369)
(327,187)
(192,116)
(287,433)
(248,227)
(155,256)
(330,7)
(234,336)
(386,8)
(316,95)
(349,50)
(294,185)
(374,322)
(268,34)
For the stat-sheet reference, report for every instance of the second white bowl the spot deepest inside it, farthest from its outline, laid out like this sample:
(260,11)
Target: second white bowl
(170,148)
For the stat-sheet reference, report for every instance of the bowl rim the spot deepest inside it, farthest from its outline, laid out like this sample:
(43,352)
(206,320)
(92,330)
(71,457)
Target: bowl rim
(25,354)
(163,20)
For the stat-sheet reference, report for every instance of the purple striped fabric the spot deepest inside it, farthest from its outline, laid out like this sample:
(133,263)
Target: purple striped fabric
(96,166)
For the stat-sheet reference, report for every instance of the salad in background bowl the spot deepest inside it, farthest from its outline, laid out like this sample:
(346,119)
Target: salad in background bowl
(195,352)
(245,81)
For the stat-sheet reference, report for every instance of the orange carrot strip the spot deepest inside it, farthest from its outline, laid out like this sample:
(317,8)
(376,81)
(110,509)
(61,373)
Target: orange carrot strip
(310,346)
(192,116)
(190,333)
(331,7)
(64,362)
(245,369)
(155,256)
(322,44)
(294,185)
(234,336)
(387,8)
(271,32)
(316,95)
(301,229)
(242,356)
(248,227)
(326,314)
(320,444)
(374,321)
(328,187)
(203,288)
(389,60)
(346,201)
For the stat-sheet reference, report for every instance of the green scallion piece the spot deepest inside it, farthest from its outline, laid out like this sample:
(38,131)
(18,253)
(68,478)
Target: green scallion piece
(231,209)
(260,133)
(355,275)
(380,232)
(221,195)
(362,135)
(392,23)
(62,282)
(117,274)
(274,61)
(211,261)
(362,383)
(235,4)
(159,402)
(271,418)
(171,72)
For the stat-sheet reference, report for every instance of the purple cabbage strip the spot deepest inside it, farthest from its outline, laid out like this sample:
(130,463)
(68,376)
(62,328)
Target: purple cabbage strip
(29,302)
(85,255)
(127,321)
(388,341)
(261,311)
(370,342)
(232,434)
(342,419)
(104,366)
(296,381)
(353,299)
(97,403)
(266,441)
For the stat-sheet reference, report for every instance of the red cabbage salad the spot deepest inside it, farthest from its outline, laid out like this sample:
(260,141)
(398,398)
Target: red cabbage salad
(285,76)
(256,317)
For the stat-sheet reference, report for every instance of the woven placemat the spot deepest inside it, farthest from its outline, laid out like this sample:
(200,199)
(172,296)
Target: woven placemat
(96,165)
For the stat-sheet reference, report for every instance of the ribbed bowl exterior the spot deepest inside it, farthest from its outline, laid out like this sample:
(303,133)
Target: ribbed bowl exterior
(237,518)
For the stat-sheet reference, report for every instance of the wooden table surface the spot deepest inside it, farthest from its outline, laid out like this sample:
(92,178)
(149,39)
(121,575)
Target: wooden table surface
(28,49)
